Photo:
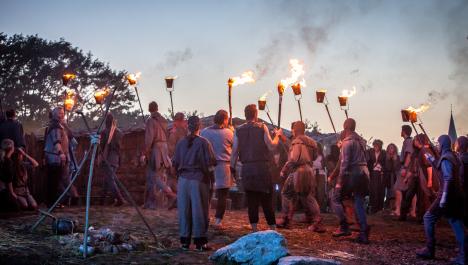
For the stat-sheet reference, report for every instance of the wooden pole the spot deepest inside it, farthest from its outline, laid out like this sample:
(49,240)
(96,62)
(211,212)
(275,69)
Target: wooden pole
(300,109)
(329,116)
(172,105)
(139,103)
(230,103)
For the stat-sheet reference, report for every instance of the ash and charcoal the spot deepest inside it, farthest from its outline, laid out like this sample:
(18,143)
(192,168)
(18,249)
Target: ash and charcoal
(103,240)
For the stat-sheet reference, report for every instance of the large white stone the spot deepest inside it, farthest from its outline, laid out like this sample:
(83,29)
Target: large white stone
(260,248)
(305,260)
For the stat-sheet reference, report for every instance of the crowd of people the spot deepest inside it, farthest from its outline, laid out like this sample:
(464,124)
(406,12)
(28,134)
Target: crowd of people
(189,164)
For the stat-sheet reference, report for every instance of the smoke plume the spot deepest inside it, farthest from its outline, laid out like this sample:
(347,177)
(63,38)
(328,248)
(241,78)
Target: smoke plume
(175,58)
(457,30)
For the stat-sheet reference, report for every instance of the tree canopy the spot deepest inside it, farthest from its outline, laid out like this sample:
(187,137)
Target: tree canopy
(31,70)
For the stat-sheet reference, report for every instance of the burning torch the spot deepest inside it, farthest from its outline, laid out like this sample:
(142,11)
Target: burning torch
(298,95)
(170,89)
(262,105)
(280,104)
(67,77)
(100,95)
(132,80)
(410,114)
(69,102)
(297,70)
(343,100)
(246,77)
(321,98)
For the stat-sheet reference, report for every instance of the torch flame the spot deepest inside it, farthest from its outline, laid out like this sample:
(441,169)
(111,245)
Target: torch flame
(297,70)
(70,93)
(102,92)
(422,108)
(348,93)
(69,100)
(246,77)
(69,76)
(132,78)
(264,96)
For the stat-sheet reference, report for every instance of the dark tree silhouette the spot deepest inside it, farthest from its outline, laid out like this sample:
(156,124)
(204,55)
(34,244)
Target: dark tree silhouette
(31,70)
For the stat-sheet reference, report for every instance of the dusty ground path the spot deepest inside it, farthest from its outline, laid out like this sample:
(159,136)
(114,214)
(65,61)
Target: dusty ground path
(392,242)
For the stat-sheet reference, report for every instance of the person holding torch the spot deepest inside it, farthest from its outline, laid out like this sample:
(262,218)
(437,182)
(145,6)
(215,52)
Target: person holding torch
(253,146)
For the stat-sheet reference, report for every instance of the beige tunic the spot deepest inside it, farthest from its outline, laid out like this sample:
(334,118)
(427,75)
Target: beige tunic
(156,142)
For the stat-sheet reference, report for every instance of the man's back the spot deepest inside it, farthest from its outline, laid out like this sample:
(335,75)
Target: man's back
(12,129)
(252,147)
(221,139)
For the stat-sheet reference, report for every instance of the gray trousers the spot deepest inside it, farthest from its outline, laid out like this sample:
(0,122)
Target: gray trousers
(109,184)
(193,206)
(154,179)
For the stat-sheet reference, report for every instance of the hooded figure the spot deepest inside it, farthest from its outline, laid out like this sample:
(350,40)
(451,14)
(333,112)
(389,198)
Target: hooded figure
(448,202)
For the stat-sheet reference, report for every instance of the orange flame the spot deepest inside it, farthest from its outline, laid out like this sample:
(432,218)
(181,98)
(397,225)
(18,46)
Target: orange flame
(246,77)
(264,96)
(100,94)
(422,108)
(297,71)
(348,93)
(69,76)
(133,78)
(70,93)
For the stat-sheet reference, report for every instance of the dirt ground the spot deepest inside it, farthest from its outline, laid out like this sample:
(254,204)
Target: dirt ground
(392,242)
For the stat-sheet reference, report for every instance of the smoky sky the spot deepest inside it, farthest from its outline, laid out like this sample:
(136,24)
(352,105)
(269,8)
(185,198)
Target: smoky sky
(174,58)
(396,53)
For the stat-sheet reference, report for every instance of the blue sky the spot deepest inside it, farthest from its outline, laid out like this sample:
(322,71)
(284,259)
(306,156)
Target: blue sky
(394,52)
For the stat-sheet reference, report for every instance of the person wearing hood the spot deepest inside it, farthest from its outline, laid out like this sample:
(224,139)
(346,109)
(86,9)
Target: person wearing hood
(448,201)
(300,184)
(461,148)
(352,180)
(156,155)
(194,162)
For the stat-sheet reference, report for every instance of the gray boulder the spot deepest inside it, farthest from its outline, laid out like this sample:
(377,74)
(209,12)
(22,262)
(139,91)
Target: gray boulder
(304,260)
(260,248)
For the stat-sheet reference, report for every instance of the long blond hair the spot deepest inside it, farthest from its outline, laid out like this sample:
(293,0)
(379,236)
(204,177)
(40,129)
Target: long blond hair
(6,145)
